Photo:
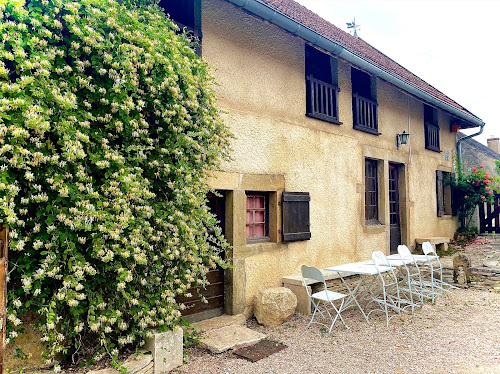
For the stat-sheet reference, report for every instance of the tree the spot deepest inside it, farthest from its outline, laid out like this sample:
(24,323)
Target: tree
(109,131)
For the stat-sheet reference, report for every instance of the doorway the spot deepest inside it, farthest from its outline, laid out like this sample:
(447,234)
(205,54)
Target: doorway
(196,309)
(394,213)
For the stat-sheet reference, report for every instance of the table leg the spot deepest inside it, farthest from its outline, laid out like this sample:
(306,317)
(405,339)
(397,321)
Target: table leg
(352,293)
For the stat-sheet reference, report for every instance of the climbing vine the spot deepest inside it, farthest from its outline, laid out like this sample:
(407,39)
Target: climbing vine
(108,133)
(471,190)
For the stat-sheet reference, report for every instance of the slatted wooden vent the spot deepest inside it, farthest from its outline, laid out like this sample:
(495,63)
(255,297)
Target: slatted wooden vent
(296,223)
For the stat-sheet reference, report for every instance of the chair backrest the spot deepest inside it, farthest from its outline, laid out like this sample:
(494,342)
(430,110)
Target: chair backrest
(312,273)
(428,248)
(404,252)
(379,259)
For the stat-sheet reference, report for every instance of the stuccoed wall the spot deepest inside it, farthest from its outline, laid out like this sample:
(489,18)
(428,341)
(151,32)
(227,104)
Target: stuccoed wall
(472,157)
(260,72)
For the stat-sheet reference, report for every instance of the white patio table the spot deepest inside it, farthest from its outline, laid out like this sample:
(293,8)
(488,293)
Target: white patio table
(418,258)
(364,269)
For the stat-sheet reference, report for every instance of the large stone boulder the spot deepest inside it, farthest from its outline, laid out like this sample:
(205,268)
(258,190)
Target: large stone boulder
(273,306)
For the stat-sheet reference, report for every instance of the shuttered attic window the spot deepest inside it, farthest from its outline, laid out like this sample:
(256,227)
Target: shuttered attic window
(296,223)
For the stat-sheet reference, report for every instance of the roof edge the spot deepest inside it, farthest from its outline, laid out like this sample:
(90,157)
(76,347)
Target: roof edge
(284,22)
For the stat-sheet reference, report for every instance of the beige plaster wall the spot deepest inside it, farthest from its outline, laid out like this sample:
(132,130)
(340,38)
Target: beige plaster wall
(261,88)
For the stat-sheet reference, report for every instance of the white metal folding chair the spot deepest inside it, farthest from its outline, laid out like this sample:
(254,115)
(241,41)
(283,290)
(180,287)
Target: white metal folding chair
(390,297)
(414,284)
(322,301)
(435,283)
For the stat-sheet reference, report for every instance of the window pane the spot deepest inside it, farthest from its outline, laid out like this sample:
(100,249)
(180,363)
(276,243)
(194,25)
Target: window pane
(259,217)
(249,217)
(259,202)
(249,202)
(259,231)
(249,231)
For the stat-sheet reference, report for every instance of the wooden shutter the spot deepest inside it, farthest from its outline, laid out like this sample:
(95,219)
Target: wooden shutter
(296,224)
(439,193)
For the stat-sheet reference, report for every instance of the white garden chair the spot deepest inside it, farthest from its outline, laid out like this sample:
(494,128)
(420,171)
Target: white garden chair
(390,295)
(436,283)
(414,283)
(322,301)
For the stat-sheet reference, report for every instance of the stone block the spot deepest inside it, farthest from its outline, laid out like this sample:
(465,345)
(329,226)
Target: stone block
(30,343)
(303,301)
(273,306)
(461,269)
(167,350)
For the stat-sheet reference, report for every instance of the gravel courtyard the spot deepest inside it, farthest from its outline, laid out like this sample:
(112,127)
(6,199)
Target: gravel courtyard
(460,333)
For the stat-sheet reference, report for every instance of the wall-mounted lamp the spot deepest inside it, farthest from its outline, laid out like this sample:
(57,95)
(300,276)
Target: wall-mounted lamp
(402,139)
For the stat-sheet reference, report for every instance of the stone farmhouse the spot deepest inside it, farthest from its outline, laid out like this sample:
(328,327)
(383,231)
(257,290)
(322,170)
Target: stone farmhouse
(320,173)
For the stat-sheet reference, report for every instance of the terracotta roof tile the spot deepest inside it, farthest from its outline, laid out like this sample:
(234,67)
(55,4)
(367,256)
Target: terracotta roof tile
(357,46)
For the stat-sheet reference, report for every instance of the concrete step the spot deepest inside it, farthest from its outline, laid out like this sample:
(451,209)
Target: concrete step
(217,322)
(221,339)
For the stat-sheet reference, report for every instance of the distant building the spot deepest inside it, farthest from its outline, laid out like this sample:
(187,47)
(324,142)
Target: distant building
(475,154)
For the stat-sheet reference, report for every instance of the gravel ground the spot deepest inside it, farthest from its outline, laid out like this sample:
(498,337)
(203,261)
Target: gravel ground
(460,333)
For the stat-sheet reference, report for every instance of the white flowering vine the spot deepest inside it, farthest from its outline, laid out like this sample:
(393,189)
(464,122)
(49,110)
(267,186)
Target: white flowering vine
(108,133)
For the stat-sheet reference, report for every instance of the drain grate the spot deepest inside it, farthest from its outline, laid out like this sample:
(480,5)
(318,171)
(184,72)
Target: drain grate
(259,350)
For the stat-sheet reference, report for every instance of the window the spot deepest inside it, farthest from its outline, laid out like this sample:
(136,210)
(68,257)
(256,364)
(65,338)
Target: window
(257,217)
(431,128)
(321,86)
(364,102)
(296,224)
(371,192)
(186,14)
(444,193)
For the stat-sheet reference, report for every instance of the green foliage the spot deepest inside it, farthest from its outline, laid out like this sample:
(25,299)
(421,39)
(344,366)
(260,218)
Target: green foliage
(471,190)
(108,134)
(473,230)
(191,337)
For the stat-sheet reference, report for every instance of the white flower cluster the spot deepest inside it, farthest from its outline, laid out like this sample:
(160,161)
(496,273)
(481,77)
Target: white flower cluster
(106,143)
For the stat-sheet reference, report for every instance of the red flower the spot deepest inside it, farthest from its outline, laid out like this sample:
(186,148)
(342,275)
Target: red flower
(486,181)
(490,192)
(482,198)
(474,169)
(465,197)
(482,166)
(486,175)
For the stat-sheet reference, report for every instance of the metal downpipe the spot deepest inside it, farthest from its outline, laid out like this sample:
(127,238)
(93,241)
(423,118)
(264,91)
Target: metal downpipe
(459,148)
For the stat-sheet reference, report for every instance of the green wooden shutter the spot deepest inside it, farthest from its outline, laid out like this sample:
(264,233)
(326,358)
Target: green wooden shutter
(439,193)
(296,223)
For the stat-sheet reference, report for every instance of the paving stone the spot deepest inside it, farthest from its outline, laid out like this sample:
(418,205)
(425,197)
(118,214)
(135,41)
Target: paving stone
(229,337)
(137,361)
(484,253)
(147,369)
(221,321)
(135,364)
(104,371)
(491,263)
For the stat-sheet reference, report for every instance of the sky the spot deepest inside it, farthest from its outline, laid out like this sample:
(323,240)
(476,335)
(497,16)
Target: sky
(451,44)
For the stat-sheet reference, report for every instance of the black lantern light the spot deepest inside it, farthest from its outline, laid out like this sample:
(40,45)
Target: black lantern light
(402,139)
